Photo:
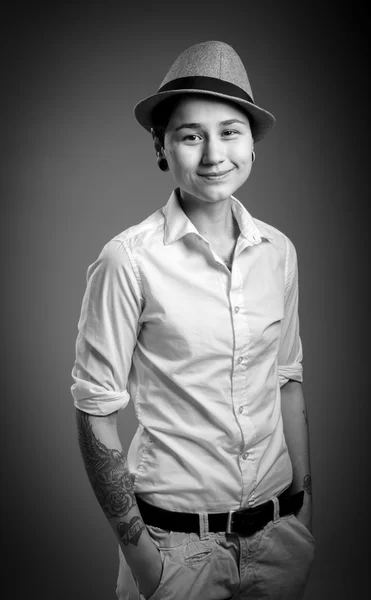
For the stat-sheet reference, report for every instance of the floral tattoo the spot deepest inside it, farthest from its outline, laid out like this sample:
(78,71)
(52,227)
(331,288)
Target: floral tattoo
(107,471)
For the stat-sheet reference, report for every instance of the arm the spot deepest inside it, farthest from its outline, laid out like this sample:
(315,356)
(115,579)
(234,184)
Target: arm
(295,426)
(290,371)
(106,466)
(108,329)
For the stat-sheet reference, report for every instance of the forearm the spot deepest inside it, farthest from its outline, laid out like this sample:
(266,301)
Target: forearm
(106,466)
(295,425)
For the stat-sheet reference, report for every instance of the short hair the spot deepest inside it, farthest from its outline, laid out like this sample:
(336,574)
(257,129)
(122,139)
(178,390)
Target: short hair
(161,115)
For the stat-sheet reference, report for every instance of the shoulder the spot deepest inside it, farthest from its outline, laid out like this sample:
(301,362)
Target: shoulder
(146,232)
(117,253)
(280,240)
(283,245)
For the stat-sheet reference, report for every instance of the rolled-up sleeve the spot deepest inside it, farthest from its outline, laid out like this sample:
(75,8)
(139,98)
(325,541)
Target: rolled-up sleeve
(290,353)
(107,331)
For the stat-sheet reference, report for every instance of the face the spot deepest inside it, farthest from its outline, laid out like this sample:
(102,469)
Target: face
(208,146)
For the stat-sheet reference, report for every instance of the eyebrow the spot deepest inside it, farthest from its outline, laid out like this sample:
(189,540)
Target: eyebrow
(198,125)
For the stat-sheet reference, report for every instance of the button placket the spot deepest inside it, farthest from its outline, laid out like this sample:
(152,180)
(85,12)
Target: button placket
(239,381)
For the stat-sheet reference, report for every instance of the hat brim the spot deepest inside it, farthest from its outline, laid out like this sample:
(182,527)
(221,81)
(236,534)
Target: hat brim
(261,121)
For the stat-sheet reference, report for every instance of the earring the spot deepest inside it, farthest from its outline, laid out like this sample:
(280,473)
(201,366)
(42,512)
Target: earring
(162,164)
(253,156)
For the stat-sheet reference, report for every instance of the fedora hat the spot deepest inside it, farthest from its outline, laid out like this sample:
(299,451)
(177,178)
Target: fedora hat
(212,68)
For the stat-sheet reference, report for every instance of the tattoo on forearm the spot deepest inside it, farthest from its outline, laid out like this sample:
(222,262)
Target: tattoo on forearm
(307,484)
(107,471)
(130,532)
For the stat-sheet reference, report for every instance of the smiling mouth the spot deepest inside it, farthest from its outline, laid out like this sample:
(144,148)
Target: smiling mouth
(215,176)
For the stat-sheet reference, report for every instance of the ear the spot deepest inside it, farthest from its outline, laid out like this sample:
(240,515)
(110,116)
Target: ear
(157,143)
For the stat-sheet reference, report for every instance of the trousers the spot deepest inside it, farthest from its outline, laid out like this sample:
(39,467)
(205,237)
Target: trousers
(272,564)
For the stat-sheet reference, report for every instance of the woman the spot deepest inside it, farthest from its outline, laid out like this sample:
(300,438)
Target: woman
(193,314)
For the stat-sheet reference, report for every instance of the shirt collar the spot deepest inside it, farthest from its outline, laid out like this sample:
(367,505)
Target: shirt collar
(177,224)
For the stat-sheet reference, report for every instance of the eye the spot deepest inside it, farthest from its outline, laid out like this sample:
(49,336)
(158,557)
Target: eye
(230,133)
(191,137)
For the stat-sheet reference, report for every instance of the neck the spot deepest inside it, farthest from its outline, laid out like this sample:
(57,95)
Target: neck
(214,221)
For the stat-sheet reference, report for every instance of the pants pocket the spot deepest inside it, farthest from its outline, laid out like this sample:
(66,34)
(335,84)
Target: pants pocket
(305,531)
(167,540)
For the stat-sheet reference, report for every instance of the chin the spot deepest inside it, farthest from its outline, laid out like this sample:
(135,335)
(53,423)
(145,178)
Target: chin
(217,193)
(210,192)
(217,197)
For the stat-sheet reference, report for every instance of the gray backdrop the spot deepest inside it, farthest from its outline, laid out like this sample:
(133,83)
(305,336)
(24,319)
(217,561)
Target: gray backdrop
(78,169)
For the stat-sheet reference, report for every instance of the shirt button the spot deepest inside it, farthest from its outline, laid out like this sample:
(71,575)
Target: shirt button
(239,360)
(245,455)
(241,409)
(236,309)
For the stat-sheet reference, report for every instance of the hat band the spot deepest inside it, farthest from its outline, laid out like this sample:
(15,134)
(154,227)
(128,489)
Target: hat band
(206,84)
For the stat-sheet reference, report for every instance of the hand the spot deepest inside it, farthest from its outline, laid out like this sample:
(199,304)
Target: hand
(150,576)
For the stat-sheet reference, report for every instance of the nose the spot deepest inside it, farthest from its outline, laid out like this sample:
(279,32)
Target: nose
(213,151)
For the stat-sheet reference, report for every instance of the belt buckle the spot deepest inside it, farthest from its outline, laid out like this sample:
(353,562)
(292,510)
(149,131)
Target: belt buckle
(230,521)
(247,528)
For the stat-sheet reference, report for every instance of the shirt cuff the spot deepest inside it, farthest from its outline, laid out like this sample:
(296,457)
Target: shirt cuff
(94,400)
(287,372)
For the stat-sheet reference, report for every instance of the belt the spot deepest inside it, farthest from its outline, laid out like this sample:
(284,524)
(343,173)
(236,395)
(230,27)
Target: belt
(245,521)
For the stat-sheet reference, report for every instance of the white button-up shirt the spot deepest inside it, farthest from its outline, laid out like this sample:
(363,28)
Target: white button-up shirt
(201,351)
